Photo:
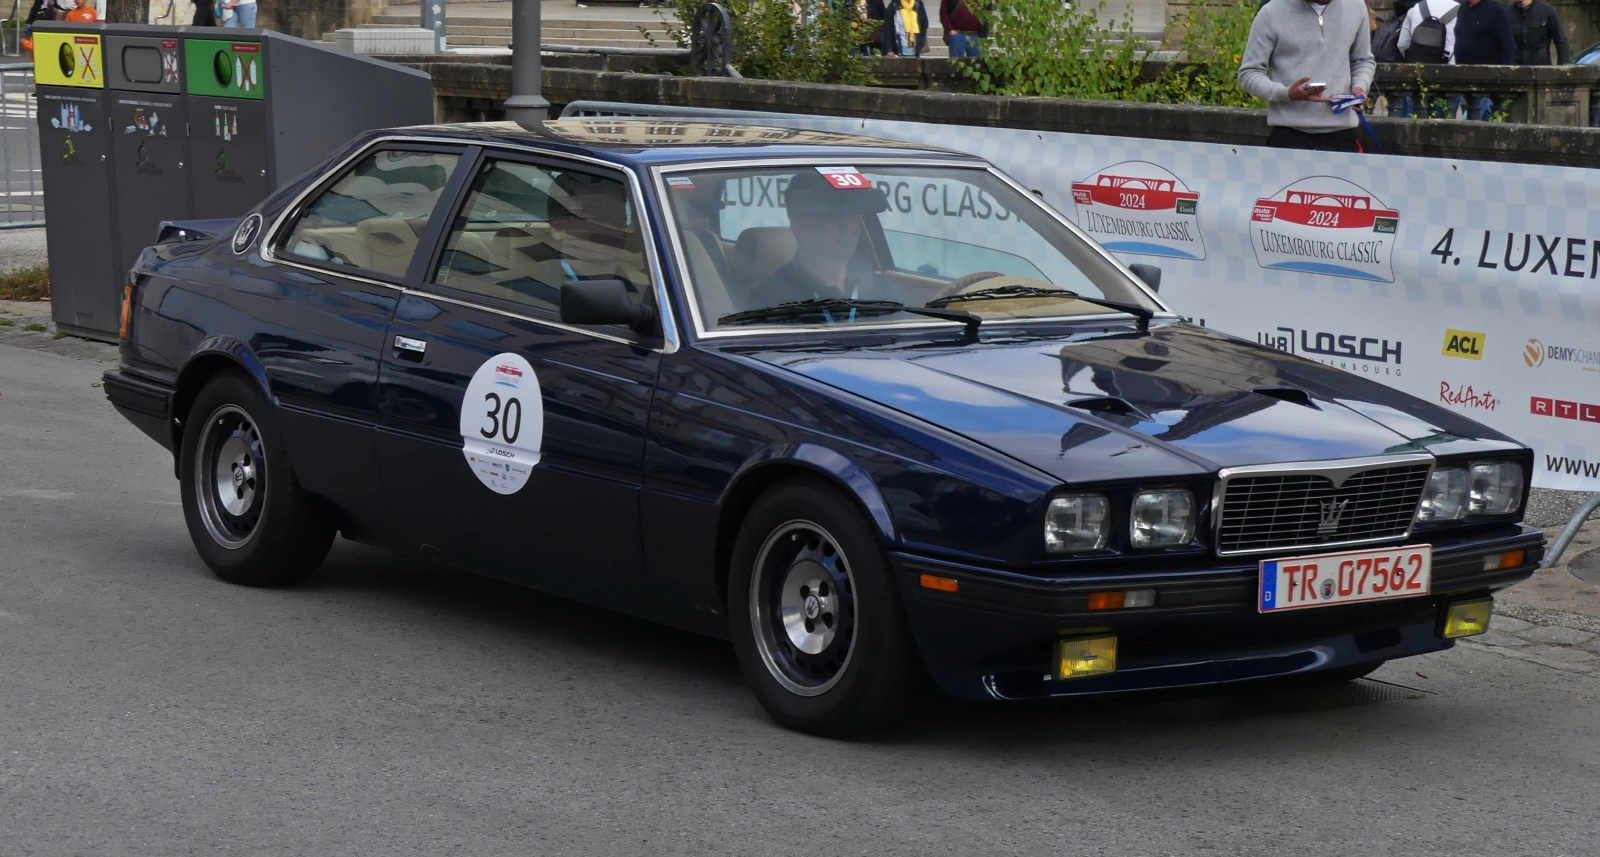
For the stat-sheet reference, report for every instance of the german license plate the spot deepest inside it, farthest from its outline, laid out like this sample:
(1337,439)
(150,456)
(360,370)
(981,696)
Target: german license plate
(1345,578)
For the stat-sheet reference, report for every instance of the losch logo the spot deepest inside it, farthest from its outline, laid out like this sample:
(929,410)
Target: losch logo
(1352,353)
(1138,207)
(1465,344)
(1467,397)
(1325,225)
(1564,410)
(1535,353)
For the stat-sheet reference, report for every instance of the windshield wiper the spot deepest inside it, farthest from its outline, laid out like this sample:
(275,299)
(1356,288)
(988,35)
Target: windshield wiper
(826,307)
(1015,291)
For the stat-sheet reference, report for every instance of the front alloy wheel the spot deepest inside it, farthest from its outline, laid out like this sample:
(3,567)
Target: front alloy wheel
(817,625)
(803,609)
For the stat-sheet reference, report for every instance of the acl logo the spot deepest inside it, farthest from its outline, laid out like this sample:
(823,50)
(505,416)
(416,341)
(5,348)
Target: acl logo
(1561,409)
(1465,344)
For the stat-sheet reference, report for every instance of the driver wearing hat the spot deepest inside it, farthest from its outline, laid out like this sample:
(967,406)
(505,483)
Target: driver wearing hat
(827,224)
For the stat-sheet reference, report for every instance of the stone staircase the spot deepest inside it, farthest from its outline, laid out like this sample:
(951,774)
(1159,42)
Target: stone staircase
(477,32)
(464,32)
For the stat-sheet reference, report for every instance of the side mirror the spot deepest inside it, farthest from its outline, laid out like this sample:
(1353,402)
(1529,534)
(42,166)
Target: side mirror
(606,302)
(1151,274)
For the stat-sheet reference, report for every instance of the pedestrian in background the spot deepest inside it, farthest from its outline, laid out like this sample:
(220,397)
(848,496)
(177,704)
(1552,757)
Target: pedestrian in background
(1483,37)
(962,29)
(1296,43)
(1535,27)
(1428,33)
(905,32)
(239,13)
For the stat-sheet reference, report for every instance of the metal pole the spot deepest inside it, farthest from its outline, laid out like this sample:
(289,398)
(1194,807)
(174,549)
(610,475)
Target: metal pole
(1560,546)
(433,19)
(526,106)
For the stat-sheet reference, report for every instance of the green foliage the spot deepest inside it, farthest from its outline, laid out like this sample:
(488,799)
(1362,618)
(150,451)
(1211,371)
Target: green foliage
(27,284)
(1211,48)
(1043,47)
(1048,48)
(810,41)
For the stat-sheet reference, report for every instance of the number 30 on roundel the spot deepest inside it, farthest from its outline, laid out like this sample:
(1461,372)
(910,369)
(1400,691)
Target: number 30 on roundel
(502,423)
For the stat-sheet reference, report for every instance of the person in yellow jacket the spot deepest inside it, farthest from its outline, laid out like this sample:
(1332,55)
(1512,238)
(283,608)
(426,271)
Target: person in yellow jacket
(905,28)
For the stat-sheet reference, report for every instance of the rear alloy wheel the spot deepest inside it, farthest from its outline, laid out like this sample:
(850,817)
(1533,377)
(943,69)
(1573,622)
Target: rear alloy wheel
(816,623)
(248,518)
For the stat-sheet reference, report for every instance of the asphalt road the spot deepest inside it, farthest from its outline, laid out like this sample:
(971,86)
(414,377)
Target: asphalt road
(390,707)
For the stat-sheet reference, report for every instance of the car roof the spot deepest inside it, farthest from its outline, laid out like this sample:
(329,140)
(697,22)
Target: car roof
(656,142)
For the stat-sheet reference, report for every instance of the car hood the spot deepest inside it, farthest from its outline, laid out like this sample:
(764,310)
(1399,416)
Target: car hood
(1175,401)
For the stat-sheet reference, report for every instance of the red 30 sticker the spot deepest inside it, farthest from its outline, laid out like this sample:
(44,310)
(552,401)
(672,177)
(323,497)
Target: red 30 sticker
(845,178)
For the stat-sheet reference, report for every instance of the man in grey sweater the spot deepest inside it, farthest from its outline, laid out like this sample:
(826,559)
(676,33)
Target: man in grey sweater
(1295,43)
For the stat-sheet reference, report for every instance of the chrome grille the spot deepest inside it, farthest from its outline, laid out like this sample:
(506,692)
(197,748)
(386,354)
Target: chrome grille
(1318,508)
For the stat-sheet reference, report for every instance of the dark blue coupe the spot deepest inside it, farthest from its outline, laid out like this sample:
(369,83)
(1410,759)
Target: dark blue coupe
(873,412)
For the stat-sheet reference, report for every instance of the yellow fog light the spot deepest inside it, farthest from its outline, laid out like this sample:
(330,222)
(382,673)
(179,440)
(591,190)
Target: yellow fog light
(1467,618)
(1085,656)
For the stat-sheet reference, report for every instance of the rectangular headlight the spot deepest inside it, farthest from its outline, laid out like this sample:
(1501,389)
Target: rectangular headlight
(1496,488)
(1445,498)
(1076,522)
(1161,519)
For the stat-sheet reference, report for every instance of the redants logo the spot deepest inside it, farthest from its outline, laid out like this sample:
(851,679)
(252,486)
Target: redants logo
(508,370)
(1465,396)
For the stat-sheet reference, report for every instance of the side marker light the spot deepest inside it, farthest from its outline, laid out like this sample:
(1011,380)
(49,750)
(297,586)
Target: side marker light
(943,584)
(1086,656)
(1467,618)
(1509,559)
(1122,599)
(127,310)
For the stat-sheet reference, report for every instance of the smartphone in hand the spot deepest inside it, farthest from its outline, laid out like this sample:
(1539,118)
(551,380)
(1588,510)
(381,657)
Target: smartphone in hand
(1314,86)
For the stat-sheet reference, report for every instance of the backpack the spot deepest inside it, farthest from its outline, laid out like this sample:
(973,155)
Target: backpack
(1386,41)
(1428,37)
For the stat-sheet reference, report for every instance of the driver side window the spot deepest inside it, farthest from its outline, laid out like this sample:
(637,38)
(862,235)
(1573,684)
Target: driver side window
(373,217)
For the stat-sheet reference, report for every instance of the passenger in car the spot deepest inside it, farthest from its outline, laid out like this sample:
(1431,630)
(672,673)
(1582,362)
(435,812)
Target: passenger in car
(827,225)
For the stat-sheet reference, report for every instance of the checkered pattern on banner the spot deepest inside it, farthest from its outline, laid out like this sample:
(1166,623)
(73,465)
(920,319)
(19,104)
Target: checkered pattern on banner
(1444,304)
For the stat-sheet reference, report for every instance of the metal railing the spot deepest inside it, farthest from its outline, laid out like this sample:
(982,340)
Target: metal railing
(11,30)
(21,191)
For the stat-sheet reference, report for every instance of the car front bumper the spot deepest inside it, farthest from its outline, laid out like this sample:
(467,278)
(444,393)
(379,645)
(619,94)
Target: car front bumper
(995,636)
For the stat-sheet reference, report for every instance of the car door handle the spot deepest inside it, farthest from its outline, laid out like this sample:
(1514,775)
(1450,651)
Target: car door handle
(407,348)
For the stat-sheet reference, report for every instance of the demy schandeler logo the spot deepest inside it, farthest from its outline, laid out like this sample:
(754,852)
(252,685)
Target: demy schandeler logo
(1325,225)
(1138,207)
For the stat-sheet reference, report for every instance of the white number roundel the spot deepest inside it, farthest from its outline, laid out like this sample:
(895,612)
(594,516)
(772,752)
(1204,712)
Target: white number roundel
(502,423)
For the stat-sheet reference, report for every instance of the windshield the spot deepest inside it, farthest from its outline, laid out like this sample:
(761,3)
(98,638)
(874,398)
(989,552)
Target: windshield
(914,236)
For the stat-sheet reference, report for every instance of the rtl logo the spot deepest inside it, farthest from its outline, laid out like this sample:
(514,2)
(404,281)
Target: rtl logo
(1564,410)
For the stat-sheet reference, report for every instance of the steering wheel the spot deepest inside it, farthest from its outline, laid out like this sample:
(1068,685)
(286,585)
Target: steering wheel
(961,284)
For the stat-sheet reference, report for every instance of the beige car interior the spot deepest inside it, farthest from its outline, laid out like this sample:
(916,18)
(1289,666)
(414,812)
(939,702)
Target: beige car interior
(383,244)
(507,253)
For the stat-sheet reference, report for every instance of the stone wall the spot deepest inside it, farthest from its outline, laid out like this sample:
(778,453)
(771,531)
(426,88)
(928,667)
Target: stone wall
(474,90)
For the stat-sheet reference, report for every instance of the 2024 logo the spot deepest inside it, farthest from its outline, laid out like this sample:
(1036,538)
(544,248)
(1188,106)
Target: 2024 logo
(1325,225)
(1138,207)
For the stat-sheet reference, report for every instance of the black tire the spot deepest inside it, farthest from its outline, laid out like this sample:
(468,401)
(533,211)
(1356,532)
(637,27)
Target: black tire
(259,529)
(865,666)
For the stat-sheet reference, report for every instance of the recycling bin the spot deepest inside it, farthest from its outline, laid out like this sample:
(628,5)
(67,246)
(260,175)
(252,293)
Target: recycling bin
(149,139)
(143,124)
(75,168)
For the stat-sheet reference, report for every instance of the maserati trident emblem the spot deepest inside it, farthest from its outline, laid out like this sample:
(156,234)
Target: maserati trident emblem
(1332,511)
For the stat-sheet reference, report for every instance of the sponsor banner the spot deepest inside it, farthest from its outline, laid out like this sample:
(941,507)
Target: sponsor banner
(1471,285)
